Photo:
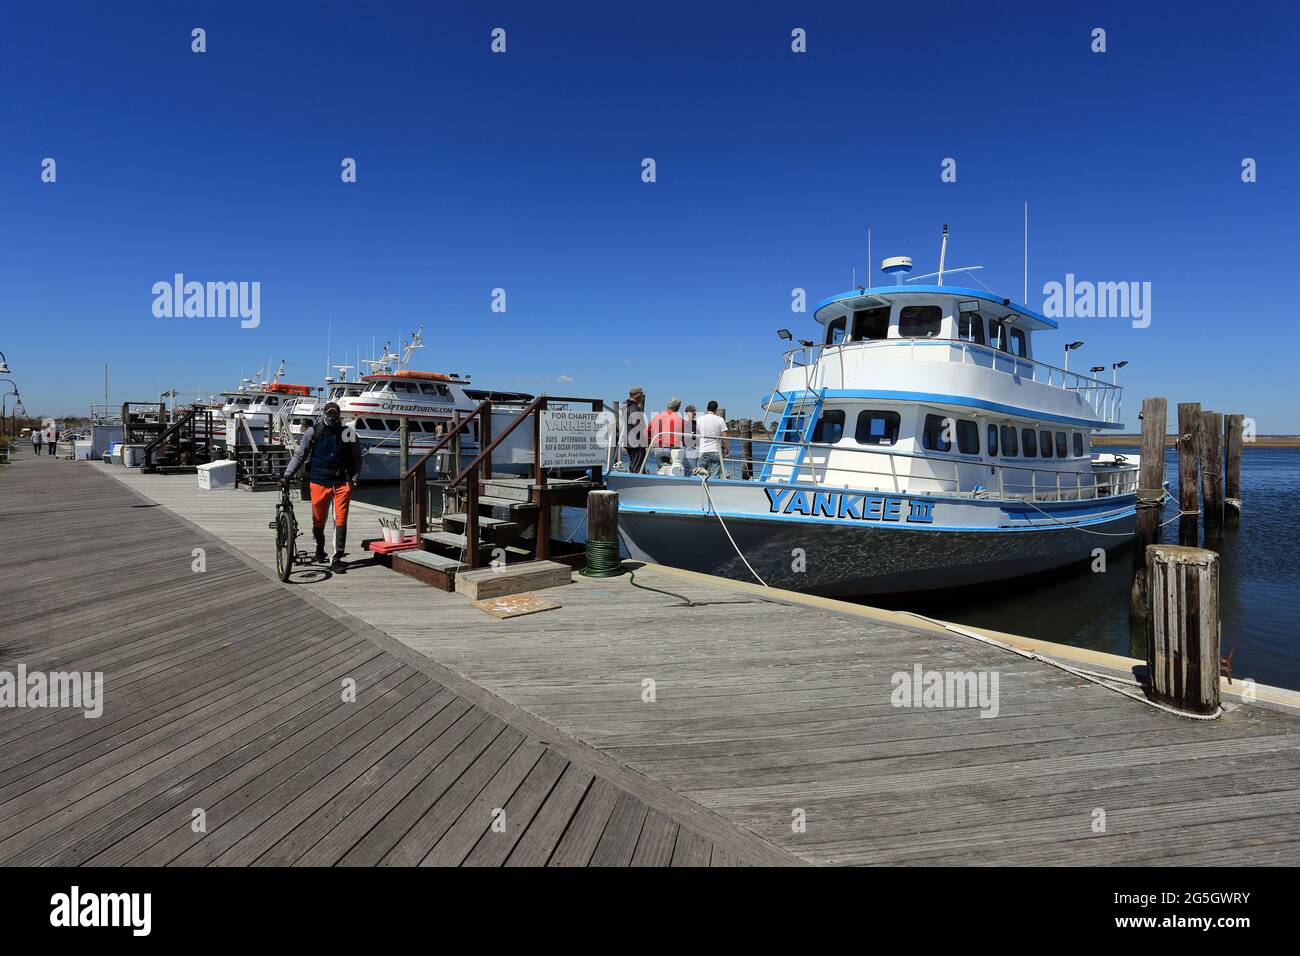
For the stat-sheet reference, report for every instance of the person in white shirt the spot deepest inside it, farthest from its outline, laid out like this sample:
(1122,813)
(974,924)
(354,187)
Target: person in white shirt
(712,431)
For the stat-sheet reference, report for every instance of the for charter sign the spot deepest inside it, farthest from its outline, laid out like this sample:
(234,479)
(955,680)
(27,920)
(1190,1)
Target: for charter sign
(572,438)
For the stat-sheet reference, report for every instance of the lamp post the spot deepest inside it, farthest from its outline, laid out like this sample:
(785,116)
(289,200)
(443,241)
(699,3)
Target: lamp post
(1070,347)
(4,364)
(1114,372)
(14,393)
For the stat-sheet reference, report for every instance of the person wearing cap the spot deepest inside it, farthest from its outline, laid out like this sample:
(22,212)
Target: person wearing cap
(666,430)
(332,457)
(635,445)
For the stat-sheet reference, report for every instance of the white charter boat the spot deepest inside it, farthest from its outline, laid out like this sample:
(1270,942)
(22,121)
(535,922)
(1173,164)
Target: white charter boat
(259,403)
(921,445)
(431,401)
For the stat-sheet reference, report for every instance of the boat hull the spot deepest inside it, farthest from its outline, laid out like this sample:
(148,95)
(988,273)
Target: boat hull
(856,558)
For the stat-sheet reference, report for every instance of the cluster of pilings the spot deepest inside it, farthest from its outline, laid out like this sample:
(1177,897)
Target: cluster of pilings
(1175,589)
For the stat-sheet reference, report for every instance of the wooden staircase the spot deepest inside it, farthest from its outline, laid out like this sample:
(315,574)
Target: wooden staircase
(489,520)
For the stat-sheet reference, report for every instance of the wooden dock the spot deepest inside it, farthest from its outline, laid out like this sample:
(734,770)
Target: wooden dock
(223,694)
(768,709)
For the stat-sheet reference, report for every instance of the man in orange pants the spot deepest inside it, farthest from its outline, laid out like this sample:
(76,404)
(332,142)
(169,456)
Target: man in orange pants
(333,460)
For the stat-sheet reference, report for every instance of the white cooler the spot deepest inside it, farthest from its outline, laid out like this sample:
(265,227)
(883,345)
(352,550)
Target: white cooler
(217,475)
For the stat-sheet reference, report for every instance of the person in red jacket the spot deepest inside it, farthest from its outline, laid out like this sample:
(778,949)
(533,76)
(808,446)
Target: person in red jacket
(666,430)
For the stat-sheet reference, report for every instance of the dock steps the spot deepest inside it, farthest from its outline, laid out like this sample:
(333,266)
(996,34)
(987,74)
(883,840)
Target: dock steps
(514,504)
(428,568)
(494,530)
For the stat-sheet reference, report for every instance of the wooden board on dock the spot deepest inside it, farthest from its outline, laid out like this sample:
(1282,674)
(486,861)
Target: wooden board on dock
(514,605)
(512,579)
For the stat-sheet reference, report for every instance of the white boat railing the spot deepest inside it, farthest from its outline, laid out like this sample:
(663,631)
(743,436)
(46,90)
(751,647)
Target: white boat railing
(1010,479)
(1104,398)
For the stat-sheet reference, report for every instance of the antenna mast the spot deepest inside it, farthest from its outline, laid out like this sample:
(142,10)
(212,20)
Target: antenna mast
(943,251)
(1025,300)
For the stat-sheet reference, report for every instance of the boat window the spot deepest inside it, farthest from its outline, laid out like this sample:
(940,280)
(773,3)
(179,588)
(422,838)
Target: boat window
(968,437)
(1009,449)
(871,323)
(393,424)
(919,321)
(998,334)
(428,389)
(830,427)
(877,428)
(970,327)
(1029,439)
(1020,343)
(932,437)
(835,331)
(1045,443)
(993,440)
(1062,449)
(1078,444)
(403,387)
(375,424)
(271,400)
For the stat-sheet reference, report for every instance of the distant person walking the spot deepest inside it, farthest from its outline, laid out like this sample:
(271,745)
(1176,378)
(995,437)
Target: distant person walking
(635,440)
(712,428)
(666,434)
(54,440)
(37,440)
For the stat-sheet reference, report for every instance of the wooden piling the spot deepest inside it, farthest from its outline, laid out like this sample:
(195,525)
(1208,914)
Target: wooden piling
(404,446)
(1151,473)
(1183,627)
(1212,473)
(1189,429)
(747,448)
(602,516)
(1233,427)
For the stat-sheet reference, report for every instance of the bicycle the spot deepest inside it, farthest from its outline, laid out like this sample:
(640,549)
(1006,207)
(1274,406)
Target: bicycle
(286,535)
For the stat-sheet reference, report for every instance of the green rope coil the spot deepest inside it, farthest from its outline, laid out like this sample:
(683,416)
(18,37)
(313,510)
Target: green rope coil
(602,560)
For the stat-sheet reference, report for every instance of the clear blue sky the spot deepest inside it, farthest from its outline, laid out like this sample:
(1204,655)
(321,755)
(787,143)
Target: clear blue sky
(523,171)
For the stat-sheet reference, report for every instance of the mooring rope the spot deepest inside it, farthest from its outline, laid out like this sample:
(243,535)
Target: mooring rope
(704,482)
(1105,534)
(1095,677)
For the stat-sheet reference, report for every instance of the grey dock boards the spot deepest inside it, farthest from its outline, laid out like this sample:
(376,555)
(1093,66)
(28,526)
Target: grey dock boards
(764,707)
(233,705)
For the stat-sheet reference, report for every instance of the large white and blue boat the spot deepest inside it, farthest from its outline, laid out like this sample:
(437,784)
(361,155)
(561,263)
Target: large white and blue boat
(920,445)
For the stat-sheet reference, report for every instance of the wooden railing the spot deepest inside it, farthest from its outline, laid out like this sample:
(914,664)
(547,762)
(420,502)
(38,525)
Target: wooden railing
(413,487)
(472,475)
(189,419)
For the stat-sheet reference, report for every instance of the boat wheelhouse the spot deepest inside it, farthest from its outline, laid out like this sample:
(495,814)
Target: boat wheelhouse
(260,403)
(921,444)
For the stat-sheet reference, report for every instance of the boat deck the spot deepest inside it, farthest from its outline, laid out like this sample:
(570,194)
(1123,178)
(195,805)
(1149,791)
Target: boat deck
(767,709)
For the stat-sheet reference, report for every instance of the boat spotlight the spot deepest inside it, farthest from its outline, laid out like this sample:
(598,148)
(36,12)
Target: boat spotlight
(1114,371)
(1069,347)
(4,364)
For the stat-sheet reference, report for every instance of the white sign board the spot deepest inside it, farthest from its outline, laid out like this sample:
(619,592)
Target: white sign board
(573,438)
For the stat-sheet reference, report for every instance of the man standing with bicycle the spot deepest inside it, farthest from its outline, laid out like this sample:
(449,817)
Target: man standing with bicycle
(332,456)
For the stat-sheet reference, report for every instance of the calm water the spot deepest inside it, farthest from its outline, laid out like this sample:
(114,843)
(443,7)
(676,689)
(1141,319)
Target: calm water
(1259,580)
